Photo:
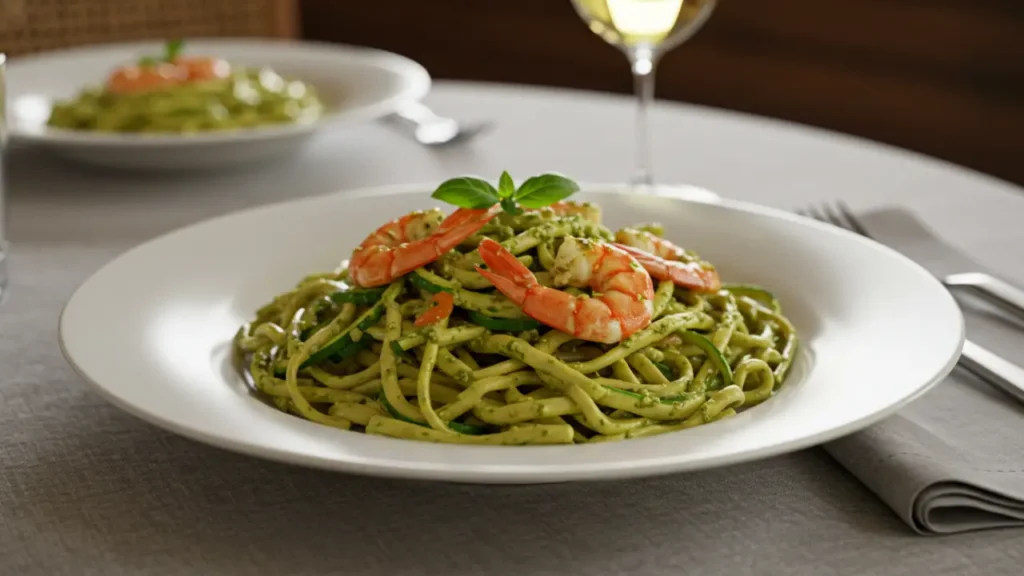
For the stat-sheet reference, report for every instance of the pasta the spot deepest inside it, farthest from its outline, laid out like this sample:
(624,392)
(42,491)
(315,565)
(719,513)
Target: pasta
(183,95)
(437,354)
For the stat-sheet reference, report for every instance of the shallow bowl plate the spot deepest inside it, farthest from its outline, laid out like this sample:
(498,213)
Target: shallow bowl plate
(356,84)
(151,331)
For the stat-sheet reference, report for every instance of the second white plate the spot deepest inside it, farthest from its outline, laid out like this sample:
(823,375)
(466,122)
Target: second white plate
(151,331)
(357,85)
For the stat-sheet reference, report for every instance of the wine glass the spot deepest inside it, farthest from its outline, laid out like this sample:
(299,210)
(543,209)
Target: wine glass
(3,146)
(644,30)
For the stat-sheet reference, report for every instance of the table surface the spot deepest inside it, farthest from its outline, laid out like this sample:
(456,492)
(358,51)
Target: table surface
(87,489)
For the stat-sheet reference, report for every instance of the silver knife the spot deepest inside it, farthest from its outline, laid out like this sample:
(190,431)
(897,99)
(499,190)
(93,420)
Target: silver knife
(900,229)
(994,369)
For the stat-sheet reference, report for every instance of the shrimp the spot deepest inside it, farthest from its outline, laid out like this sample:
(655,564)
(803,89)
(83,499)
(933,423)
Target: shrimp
(138,78)
(623,293)
(666,261)
(588,211)
(199,68)
(127,79)
(416,239)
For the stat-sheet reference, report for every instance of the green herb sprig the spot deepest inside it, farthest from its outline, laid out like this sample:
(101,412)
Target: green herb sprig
(172,49)
(535,192)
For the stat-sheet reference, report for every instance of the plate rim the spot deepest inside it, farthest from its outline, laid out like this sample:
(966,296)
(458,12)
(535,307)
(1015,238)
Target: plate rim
(388,468)
(419,79)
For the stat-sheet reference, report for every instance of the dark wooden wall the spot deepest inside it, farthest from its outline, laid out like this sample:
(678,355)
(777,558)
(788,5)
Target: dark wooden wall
(943,77)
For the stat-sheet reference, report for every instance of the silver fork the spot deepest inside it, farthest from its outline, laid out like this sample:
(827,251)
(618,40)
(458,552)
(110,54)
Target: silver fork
(946,262)
(984,364)
(430,129)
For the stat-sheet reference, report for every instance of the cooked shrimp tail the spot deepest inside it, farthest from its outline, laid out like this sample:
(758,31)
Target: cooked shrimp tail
(506,272)
(694,276)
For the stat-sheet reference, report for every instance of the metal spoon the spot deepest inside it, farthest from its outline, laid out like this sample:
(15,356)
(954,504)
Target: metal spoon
(430,129)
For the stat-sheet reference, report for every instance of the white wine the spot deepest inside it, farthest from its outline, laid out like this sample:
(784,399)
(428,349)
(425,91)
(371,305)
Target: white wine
(644,24)
(643,30)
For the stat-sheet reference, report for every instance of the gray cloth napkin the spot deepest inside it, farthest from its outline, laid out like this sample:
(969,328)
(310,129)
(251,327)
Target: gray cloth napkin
(952,461)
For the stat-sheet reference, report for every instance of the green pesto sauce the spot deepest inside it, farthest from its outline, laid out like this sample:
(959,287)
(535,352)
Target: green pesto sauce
(246,99)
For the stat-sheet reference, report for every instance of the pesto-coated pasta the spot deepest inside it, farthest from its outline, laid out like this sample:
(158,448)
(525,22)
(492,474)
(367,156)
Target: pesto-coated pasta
(246,98)
(484,370)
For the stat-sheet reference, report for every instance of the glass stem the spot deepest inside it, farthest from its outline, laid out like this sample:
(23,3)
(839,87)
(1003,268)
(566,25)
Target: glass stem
(642,61)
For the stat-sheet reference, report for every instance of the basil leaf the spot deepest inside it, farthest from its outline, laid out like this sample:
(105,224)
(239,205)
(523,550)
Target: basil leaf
(148,61)
(173,49)
(506,187)
(467,192)
(509,205)
(544,190)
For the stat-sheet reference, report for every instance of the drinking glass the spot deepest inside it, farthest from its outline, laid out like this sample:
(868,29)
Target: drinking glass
(3,147)
(644,30)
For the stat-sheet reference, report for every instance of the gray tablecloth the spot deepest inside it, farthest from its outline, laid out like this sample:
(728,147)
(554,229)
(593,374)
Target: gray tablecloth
(87,489)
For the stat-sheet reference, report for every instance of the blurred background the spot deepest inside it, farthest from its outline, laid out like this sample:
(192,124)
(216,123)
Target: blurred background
(942,77)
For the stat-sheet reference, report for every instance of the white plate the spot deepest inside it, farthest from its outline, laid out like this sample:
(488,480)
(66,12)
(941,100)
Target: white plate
(151,332)
(356,85)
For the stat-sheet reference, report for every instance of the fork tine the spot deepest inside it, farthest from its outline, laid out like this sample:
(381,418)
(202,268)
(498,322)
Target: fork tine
(855,224)
(813,212)
(827,214)
(835,218)
(838,215)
